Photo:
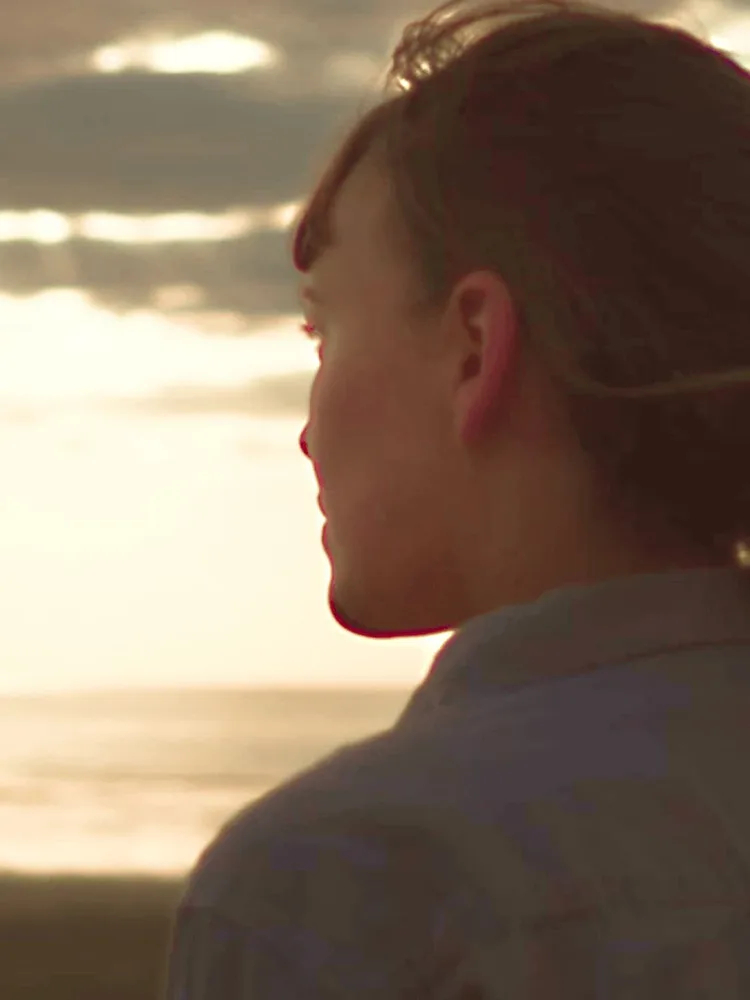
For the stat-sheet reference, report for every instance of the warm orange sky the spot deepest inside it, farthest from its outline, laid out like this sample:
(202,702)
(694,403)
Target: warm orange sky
(158,524)
(142,548)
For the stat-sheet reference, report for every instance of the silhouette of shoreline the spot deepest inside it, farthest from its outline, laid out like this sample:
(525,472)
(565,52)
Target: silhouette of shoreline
(85,938)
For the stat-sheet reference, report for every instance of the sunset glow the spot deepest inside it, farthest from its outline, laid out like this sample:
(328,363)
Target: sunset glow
(209,52)
(47,227)
(162,548)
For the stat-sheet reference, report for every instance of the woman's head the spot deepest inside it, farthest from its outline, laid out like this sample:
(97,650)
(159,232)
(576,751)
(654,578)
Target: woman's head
(536,364)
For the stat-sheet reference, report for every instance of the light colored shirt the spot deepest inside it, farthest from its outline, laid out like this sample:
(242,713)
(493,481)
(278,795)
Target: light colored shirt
(562,812)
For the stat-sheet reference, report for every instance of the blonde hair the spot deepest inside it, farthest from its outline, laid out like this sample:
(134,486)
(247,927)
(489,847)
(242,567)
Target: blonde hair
(600,163)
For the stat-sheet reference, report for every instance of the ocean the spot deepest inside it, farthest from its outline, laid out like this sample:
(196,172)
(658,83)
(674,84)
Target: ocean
(139,782)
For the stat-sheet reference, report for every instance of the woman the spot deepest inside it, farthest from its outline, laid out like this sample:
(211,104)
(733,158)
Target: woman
(529,274)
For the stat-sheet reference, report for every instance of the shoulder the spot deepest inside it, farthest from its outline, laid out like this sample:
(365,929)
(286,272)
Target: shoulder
(332,878)
(437,800)
(357,809)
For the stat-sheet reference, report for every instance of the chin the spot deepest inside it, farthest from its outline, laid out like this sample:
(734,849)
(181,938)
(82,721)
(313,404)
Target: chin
(378,626)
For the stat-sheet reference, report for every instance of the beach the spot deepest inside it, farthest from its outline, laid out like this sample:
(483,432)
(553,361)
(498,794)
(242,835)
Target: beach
(85,938)
(136,784)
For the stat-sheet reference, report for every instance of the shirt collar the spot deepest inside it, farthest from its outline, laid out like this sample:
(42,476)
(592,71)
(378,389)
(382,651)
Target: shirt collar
(579,628)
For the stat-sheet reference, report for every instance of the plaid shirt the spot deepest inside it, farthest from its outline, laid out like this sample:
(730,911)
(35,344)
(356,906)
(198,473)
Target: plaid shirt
(562,812)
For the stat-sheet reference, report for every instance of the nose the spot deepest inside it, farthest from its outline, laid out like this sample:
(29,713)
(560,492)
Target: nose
(303,441)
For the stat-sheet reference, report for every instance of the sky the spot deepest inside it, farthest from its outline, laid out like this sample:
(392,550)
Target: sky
(158,523)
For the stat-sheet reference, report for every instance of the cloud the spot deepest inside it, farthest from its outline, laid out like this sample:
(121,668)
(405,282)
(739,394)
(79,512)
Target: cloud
(38,34)
(270,396)
(250,276)
(149,144)
(284,395)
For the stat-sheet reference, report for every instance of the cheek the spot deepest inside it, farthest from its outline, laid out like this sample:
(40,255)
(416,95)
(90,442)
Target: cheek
(354,434)
(374,444)
(344,414)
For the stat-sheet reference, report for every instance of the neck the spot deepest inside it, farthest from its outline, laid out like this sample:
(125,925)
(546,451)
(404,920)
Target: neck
(578,554)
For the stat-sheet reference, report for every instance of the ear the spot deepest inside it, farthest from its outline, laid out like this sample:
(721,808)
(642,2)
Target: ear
(488,339)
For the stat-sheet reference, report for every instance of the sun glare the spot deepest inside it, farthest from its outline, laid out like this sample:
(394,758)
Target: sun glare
(734,39)
(48,227)
(59,346)
(210,52)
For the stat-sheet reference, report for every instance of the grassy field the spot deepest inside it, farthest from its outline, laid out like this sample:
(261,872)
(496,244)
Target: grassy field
(84,938)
